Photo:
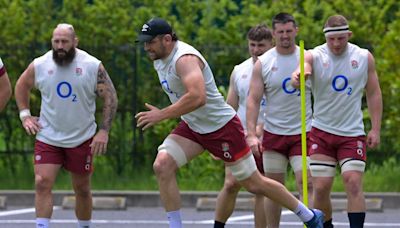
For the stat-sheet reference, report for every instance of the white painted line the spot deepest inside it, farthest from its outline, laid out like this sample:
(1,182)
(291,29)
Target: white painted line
(23,211)
(188,222)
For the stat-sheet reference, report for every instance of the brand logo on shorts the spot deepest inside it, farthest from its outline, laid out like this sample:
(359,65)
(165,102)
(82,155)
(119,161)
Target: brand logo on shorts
(87,165)
(314,146)
(360,146)
(225,149)
(38,157)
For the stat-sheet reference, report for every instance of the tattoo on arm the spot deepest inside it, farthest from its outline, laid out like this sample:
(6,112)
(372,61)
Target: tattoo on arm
(105,89)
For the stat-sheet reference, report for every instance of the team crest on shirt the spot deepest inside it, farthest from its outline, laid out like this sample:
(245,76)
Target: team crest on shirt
(274,69)
(78,71)
(325,64)
(354,64)
(244,76)
(50,72)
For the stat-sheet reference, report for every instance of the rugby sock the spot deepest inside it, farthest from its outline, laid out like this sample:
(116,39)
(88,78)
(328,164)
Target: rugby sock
(303,212)
(84,223)
(42,222)
(219,224)
(328,224)
(356,219)
(174,218)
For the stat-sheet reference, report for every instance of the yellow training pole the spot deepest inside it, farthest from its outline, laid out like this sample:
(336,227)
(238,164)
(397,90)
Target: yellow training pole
(303,124)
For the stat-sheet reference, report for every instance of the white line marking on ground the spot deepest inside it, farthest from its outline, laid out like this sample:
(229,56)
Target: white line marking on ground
(288,224)
(23,211)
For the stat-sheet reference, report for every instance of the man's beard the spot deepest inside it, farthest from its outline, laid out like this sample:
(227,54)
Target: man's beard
(63,60)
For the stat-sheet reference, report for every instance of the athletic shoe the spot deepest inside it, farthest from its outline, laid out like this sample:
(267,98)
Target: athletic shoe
(317,221)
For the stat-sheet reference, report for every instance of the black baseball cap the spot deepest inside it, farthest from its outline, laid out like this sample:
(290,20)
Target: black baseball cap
(153,28)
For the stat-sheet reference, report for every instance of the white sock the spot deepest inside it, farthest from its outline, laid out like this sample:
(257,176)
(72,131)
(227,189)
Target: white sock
(84,223)
(42,222)
(174,218)
(303,212)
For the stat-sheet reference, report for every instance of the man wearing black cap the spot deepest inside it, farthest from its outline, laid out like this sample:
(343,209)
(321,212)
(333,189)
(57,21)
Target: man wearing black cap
(208,123)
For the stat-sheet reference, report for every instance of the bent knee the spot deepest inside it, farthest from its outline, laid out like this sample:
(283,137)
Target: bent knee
(164,164)
(232,185)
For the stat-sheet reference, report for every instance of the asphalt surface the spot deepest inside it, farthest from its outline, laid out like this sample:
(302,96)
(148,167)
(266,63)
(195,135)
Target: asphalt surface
(154,217)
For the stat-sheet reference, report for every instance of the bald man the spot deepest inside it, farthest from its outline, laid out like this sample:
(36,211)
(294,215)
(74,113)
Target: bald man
(69,80)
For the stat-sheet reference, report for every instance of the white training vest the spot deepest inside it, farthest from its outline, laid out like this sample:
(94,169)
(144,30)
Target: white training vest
(208,118)
(283,109)
(2,70)
(242,76)
(338,83)
(68,99)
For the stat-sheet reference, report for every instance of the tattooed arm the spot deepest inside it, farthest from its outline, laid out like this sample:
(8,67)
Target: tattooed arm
(105,89)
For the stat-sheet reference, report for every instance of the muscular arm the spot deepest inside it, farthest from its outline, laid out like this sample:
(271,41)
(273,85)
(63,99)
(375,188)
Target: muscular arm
(256,91)
(105,89)
(5,90)
(24,86)
(374,101)
(189,69)
(308,62)
(232,98)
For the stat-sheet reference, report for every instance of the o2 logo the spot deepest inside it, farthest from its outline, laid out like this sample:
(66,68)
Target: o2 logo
(64,90)
(340,83)
(289,89)
(165,85)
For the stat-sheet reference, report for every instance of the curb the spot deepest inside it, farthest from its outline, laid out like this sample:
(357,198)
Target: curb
(389,200)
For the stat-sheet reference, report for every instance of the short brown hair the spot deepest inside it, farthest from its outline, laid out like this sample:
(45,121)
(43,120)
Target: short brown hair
(259,32)
(336,21)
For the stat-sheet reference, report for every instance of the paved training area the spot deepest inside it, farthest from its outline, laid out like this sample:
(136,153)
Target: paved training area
(154,217)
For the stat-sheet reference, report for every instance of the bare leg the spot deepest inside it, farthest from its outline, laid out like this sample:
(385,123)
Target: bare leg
(260,220)
(45,176)
(165,169)
(299,185)
(274,209)
(355,196)
(322,191)
(227,198)
(274,190)
(83,195)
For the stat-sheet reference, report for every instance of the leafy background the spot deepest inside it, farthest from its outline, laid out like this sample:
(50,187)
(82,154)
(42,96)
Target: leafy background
(108,29)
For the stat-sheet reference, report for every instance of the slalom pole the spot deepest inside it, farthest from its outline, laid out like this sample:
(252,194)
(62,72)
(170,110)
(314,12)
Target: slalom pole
(303,125)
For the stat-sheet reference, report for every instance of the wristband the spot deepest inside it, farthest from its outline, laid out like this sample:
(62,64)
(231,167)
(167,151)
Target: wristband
(24,113)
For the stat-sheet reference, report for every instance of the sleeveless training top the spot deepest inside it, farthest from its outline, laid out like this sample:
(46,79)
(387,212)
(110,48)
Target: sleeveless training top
(2,68)
(283,110)
(68,99)
(242,76)
(208,118)
(338,83)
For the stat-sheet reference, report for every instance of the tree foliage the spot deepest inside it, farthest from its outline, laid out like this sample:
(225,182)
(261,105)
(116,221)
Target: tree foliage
(108,29)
